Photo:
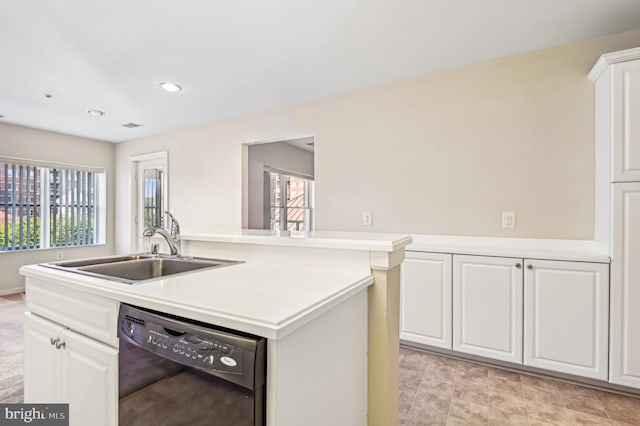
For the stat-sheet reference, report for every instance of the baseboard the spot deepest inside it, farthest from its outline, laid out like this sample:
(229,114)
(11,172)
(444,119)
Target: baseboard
(6,291)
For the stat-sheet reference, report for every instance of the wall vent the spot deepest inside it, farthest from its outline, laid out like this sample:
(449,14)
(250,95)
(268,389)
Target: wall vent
(131,125)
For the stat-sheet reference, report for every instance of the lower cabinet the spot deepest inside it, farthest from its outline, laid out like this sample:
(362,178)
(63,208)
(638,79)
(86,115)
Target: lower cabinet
(425,299)
(566,317)
(42,361)
(546,314)
(64,366)
(487,307)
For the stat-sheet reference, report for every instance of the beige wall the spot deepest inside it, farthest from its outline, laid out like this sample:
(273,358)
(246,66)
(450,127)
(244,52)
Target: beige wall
(23,142)
(440,154)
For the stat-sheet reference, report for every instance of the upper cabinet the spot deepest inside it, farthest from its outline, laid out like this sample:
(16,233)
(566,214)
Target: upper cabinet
(625,106)
(617,79)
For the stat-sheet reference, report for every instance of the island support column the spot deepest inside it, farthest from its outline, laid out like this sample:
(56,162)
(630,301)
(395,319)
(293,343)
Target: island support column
(384,341)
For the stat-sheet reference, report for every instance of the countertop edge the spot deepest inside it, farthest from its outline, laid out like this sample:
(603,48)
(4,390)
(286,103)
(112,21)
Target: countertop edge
(346,241)
(570,250)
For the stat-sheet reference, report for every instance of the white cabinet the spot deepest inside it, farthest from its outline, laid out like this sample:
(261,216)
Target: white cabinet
(625,116)
(487,307)
(617,79)
(426,299)
(89,380)
(42,361)
(64,366)
(625,285)
(566,317)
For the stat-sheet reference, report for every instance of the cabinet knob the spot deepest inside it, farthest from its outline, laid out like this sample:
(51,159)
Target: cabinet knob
(60,344)
(518,265)
(54,341)
(529,266)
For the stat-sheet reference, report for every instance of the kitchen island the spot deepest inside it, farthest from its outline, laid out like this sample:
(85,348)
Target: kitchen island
(332,335)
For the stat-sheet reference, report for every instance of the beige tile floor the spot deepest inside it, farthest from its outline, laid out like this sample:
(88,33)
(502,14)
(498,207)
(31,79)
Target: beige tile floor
(435,390)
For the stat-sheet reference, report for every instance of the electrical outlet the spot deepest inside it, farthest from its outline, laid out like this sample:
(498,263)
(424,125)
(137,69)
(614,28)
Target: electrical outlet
(508,220)
(58,255)
(366,218)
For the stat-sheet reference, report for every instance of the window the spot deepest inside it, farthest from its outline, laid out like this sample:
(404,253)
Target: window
(291,201)
(152,202)
(45,206)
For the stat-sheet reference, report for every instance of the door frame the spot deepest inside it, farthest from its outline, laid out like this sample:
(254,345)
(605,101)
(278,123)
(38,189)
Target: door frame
(160,158)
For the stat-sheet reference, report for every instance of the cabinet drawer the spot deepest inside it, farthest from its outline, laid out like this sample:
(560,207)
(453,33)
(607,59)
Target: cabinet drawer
(90,315)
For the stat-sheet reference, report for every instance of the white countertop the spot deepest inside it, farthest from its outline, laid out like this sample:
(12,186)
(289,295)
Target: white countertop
(317,239)
(263,299)
(572,250)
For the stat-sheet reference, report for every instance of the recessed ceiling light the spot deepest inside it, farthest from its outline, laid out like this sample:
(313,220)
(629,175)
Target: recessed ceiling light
(170,87)
(96,112)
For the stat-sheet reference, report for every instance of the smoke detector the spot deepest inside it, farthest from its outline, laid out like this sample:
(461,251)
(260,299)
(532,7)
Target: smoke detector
(132,125)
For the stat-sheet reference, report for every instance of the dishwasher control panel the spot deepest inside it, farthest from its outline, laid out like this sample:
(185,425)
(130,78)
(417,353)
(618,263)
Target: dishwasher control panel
(199,350)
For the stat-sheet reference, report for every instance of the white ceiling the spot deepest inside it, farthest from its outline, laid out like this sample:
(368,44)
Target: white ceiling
(239,56)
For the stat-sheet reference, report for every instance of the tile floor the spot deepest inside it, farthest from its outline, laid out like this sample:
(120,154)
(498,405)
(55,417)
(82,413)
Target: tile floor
(435,390)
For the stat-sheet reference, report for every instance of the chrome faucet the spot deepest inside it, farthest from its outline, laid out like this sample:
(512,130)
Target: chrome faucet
(173,238)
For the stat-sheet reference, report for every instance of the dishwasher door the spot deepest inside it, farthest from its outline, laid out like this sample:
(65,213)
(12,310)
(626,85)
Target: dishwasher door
(170,374)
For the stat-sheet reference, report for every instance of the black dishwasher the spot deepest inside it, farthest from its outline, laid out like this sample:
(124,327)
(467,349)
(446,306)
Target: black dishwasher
(175,371)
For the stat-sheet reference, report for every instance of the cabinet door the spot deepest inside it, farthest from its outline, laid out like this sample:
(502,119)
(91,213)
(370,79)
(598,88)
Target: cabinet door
(89,371)
(625,286)
(487,307)
(566,317)
(42,361)
(625,103)
(425,299)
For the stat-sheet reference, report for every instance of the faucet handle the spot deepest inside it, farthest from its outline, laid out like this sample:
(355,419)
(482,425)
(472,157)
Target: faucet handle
(148,231)
(175,226)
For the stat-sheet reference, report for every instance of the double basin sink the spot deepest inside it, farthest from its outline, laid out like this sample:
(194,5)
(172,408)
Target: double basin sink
(137,268)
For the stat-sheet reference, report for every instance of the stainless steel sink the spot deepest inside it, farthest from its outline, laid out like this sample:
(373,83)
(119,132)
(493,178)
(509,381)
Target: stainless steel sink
(98,260)
(133,269)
